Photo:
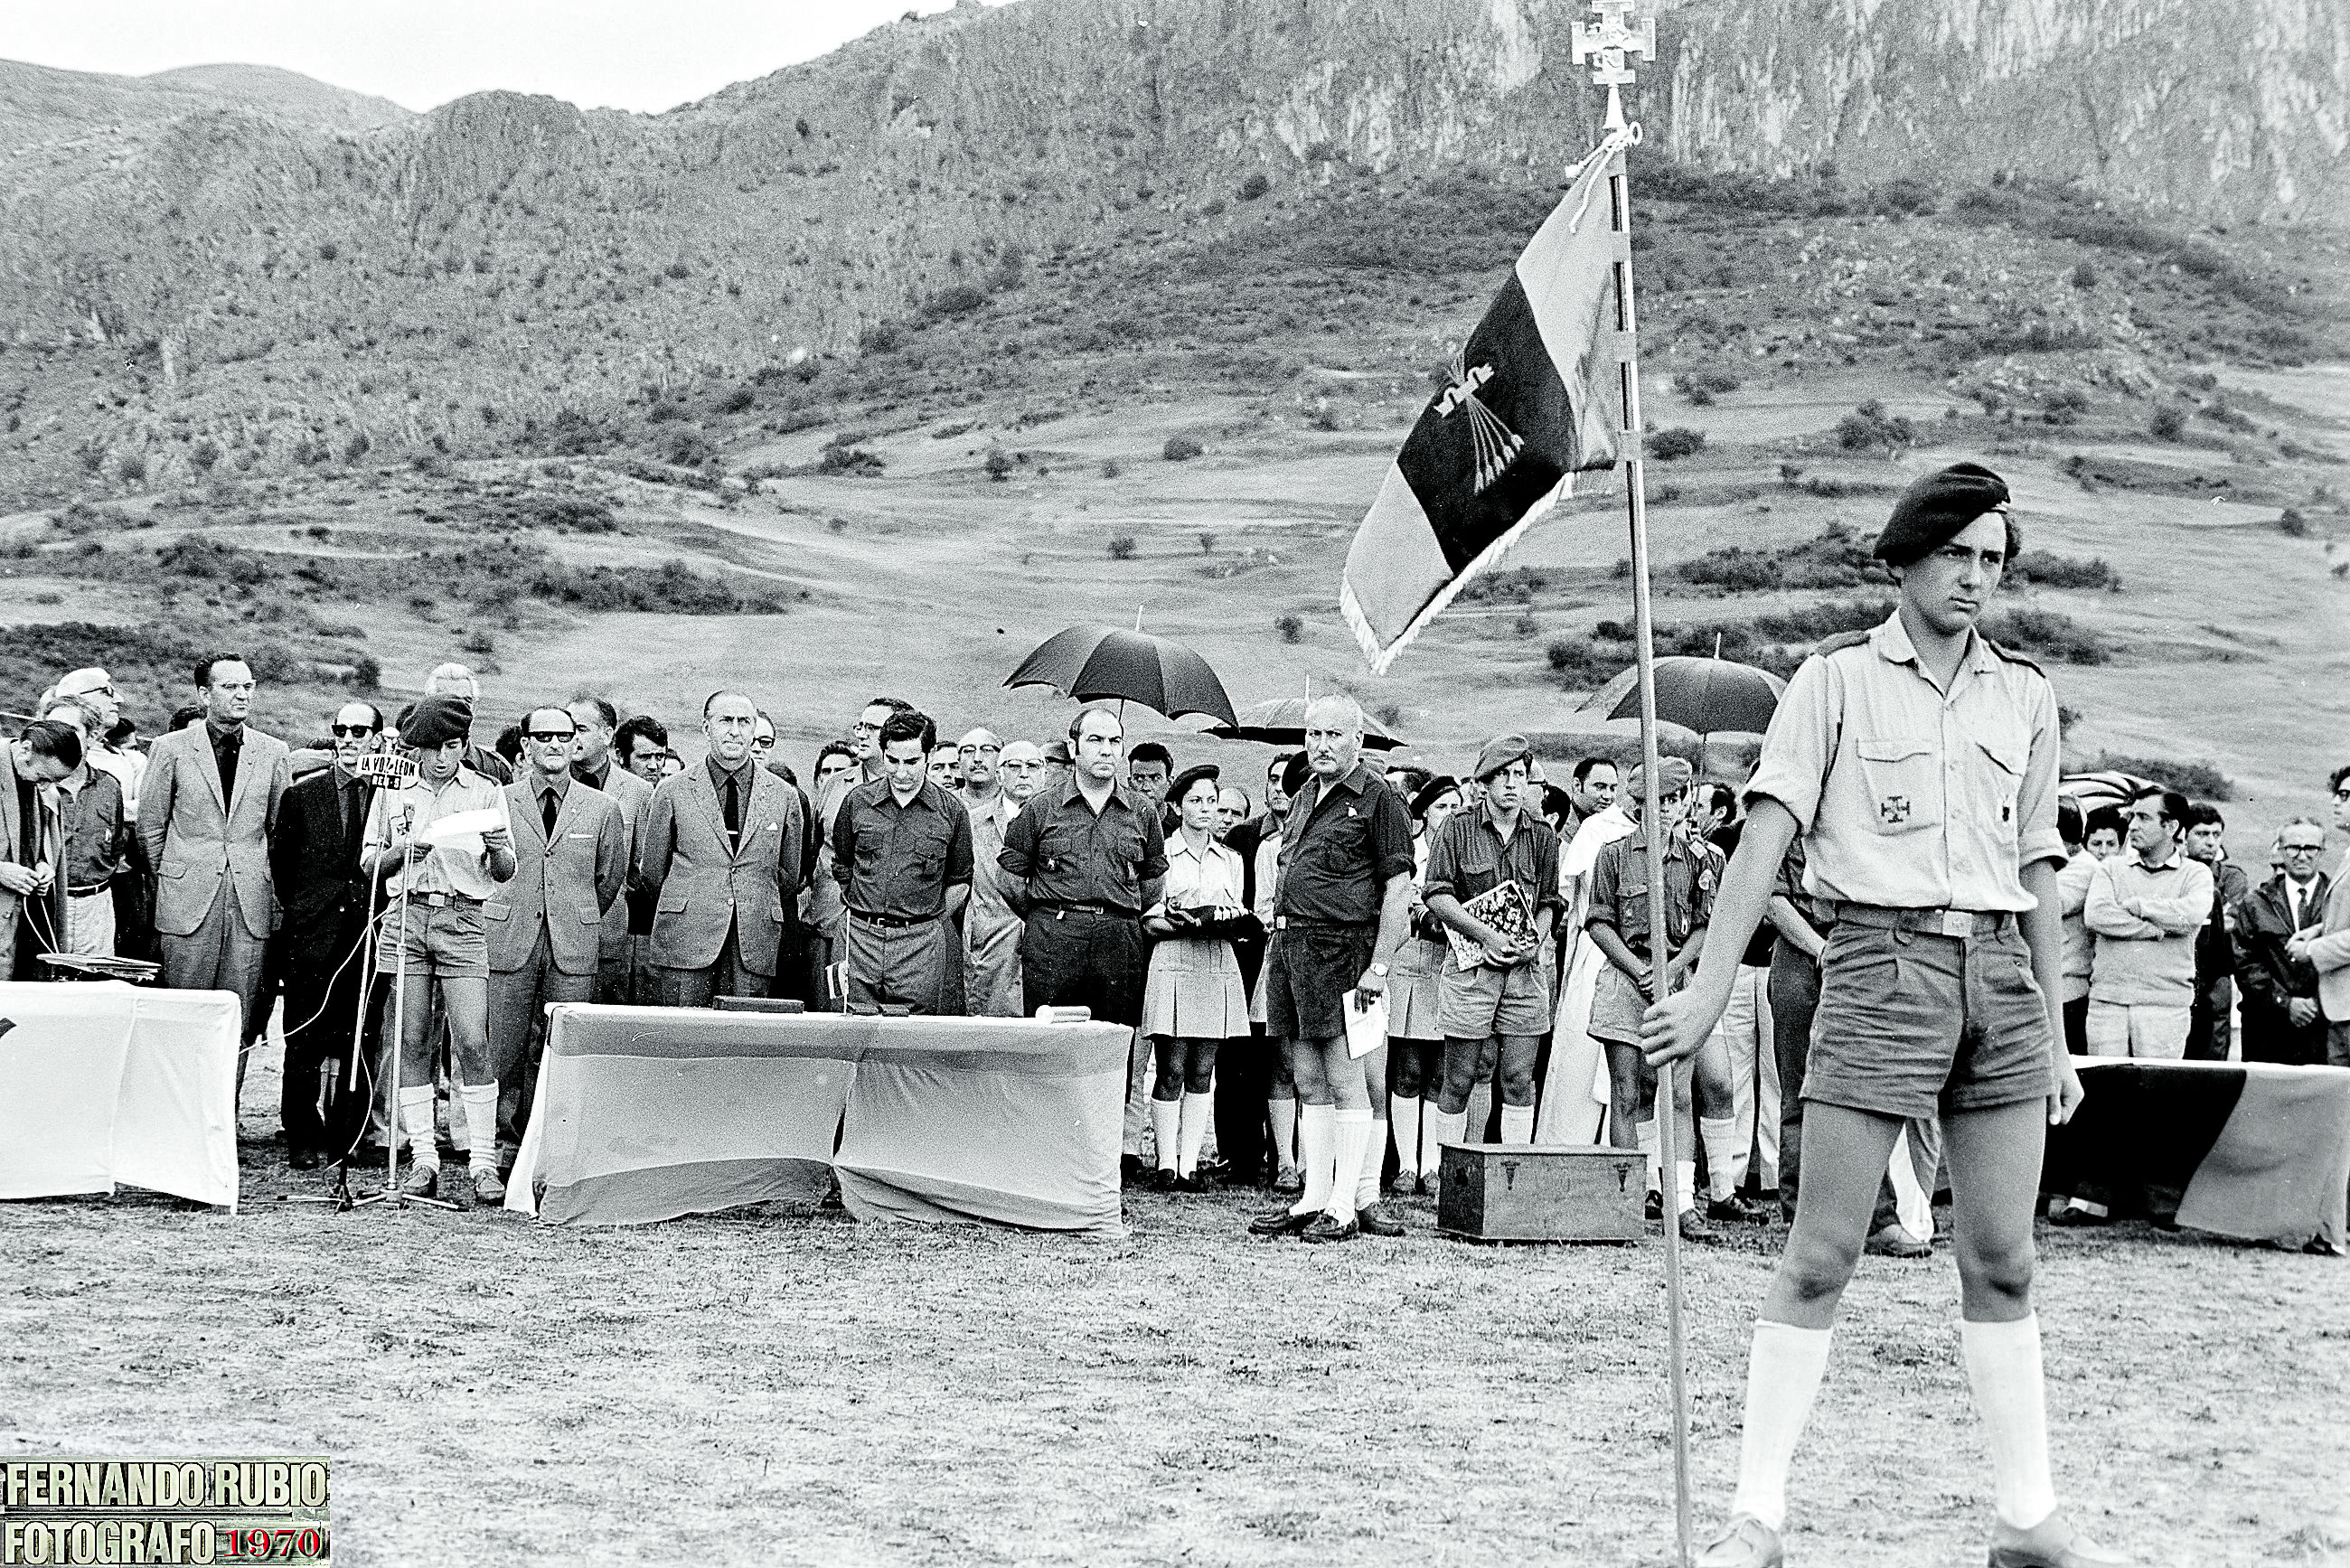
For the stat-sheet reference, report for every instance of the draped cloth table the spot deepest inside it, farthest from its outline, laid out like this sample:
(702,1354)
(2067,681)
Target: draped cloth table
(647,1114)
(106,1083)
(2247,1150)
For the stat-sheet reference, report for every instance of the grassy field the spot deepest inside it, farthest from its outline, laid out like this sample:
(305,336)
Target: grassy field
(775,1386)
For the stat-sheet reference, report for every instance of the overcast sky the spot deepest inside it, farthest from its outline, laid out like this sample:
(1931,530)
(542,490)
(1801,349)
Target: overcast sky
(644,54)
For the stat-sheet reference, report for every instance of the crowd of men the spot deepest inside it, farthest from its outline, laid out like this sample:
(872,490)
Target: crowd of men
(1500,918)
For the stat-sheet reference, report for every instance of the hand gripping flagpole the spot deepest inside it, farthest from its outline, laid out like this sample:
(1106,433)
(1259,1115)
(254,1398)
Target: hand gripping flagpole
(1605,43)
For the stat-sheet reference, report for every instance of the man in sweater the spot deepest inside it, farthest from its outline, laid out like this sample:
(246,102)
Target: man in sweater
(2145,908)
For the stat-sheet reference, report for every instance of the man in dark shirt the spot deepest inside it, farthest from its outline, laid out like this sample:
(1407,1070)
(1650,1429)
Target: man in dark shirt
(97,836)
(1082,861)
(901,853)
(2210,1034)
(1343,909)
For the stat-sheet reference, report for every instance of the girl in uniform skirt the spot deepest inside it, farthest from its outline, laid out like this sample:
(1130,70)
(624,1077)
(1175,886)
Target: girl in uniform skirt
(1193,1000)
(1417,1045)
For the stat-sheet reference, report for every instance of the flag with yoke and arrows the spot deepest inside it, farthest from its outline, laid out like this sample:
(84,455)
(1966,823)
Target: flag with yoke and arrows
(1535,397)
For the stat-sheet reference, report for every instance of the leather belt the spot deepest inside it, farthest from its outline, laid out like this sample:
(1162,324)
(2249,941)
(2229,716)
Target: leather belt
(90,892)
(892,922)
(1058,910)
(1293,923)
(438,900)
(1959,924)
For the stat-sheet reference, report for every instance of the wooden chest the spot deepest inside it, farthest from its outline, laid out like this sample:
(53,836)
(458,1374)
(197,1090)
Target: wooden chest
(1541,1192)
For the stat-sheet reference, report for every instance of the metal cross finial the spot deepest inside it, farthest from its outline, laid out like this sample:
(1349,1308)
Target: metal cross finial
(1613,37)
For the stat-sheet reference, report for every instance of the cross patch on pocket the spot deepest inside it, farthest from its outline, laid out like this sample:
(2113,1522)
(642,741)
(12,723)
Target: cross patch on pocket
(1893,808)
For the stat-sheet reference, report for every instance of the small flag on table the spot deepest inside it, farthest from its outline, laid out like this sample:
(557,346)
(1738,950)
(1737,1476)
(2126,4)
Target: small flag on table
(1535,397)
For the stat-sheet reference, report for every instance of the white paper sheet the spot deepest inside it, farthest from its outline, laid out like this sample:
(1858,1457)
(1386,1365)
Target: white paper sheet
(456,828)
(1367,1027)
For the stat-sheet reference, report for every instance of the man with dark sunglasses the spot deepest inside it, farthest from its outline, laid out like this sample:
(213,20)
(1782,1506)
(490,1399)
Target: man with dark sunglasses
(313,855)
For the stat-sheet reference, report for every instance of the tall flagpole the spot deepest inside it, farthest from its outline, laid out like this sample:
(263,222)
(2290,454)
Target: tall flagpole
(1605,44)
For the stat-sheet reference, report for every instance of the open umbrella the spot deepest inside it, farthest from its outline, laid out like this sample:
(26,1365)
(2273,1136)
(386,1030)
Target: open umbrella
(1101,663)
(1281,722)
(1710,696)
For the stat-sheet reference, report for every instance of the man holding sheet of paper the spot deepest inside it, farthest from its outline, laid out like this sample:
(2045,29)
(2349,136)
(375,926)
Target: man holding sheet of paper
(1492,880)
(445,842)
(1343,909)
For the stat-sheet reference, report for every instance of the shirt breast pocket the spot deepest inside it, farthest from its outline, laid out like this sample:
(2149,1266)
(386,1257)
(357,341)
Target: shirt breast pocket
(1999,785)
(1905,786)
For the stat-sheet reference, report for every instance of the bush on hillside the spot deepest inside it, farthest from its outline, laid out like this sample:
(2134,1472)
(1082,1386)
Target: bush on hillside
(1665,446)
(1181,449)
(2045,569)
(1869,428)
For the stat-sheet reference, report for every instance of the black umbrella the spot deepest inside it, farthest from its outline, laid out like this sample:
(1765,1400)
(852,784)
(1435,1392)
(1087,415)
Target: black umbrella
(1281,722)
(1710,696)
(1100,663)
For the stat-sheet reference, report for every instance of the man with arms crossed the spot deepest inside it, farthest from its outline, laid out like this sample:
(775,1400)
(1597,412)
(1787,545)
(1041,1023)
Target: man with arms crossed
(1919,761)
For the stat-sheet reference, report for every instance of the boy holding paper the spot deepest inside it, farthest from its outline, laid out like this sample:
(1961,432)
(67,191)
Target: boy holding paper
(1496,1010)
(445,842)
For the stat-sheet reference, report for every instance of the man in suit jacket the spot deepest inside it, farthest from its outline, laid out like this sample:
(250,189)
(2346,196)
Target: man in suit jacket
(594,764)
(722,845)
(2283,1021)
(314,860)
(571,860)
(2328,952)
(30,900)
(205,811)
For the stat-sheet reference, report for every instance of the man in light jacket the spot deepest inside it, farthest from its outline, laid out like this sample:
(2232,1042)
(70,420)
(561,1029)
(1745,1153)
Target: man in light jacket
(2145,908)
(2328,952)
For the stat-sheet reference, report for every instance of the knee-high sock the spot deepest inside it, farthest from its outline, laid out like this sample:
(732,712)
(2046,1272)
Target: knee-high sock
(1517,1123)
(416,1123)
(1645,1135)
(1166,1118)
(1375,1155)
(1723,1159)
(481,1103)
(2003,1367)
(1783,1375)
(1284,1111)
(1443,1127)
(1317,1136)
(1352,1126)
(1192,1131)
(1403,1121)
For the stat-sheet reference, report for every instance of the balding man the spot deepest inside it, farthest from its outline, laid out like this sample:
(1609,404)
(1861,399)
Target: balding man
(1342,909)
(93,691)
(722,846)
(457,681)
(94,836)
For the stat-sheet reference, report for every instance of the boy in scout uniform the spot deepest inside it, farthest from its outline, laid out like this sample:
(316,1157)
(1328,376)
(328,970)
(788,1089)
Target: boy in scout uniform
(1919,762)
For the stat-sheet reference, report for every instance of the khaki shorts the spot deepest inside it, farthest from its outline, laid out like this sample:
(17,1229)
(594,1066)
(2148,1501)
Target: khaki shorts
(449,941)
(1475,1002)
(1914,1024)
(1617,1008)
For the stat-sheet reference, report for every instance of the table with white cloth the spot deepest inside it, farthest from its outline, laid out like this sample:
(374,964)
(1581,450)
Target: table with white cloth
(646,1114)
(106,1083)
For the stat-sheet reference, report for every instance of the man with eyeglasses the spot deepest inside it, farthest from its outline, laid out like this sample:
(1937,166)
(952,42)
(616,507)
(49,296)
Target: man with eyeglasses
(998,780)
(2328,950)
(208,803)
(571,860)
(1082,861)
(93,691)
(722,845)
(314,858)
(2282,1019)
(95,834)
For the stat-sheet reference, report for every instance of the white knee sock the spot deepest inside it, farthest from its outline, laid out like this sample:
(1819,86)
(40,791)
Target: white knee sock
(1517,1123)
(1191,1131)
(1285,1132)
(1374,1158)
(2003,1366)
(1353,1130)
(1782,1374)
(481,1103)
(1442,1128)
(1684,1186)
(1722,1157)
(416,1123)
(1645,1135)
(1316,1150)
(1403,1121)
(1166,1118)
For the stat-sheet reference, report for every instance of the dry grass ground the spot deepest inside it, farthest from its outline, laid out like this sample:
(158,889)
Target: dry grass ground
(773,1388)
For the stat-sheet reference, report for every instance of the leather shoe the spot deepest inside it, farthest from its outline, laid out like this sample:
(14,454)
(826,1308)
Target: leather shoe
(1281,1222)
(1330,1228)
(1654,1208)
(1290,1179)
(423,1181)
(2050,1544)
(487,1188)
(1374,1221)
(1695,1228)
(1895,1242)
(1164,1179)
(1745,1542)
(304,1159)
(1737,1210)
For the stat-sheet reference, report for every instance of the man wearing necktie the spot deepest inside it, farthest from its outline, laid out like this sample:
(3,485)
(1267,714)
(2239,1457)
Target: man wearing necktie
(313,860)
(2284,1020)
(722,843)
(571,858)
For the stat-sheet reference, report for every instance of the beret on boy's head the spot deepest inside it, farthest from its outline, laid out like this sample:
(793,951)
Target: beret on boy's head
(1432,791)
(435,722)
(1933,510)
(1499,753)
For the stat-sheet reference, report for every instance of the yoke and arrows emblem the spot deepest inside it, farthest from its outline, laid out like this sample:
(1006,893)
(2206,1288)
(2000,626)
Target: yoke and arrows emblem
(1496,443)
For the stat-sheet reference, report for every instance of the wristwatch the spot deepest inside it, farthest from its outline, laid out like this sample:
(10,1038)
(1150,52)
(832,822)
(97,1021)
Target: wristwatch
(1380,970)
